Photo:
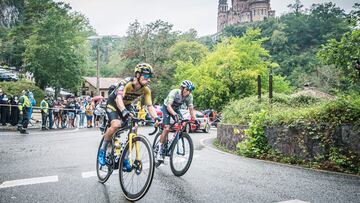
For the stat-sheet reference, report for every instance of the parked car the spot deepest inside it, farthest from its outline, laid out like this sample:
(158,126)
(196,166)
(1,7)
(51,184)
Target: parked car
(214,117)
(5,77)
(202,119)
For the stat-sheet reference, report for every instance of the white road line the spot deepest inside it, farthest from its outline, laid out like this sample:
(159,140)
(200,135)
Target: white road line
(30,181)
(90,174)
(293,201)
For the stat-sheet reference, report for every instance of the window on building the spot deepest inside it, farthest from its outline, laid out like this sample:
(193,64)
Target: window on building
(262,12)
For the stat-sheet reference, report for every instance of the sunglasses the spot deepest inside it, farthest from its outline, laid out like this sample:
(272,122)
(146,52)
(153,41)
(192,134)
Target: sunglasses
(190,88)
(147,76)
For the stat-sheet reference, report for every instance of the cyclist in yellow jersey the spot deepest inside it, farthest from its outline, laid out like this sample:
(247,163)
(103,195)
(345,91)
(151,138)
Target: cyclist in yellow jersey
(119,102)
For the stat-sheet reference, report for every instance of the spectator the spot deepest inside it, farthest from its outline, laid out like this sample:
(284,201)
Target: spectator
(24,105)
(32,103)
(89,112)
(82,114)
(98,112)
(1,97)
(63,113)
(44,112)
(14,116)
(5,110)
(57,115)
(71,112)
(51,106)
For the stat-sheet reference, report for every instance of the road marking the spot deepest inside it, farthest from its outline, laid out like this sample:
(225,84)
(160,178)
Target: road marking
(202,142)
(90,174)
(30,181)
(294,201)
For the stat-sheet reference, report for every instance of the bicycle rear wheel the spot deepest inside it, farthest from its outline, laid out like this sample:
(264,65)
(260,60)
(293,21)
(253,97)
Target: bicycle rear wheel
(181,154)
(136,181)
(104,172)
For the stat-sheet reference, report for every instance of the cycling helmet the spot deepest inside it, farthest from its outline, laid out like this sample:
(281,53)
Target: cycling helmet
(143,68)
(188,85)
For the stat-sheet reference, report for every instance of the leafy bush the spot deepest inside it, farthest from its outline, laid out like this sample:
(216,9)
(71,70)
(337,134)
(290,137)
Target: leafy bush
(15,88)
(255,143)
(310,113)
(280,111)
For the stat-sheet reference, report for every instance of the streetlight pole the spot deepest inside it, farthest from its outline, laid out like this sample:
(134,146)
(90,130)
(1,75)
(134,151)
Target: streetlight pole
(97,68)
(97,37)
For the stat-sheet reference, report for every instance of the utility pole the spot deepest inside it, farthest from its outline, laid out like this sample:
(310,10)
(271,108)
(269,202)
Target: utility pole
(97,37)
(97,68)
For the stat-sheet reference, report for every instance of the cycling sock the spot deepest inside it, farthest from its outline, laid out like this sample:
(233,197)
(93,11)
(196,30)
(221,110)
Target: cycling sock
(160,147)
(104,144)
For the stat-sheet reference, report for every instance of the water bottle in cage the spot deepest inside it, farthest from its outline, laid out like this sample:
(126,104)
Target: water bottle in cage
(117,149)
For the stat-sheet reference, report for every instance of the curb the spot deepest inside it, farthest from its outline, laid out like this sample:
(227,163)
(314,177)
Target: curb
(211,147)
(40,132)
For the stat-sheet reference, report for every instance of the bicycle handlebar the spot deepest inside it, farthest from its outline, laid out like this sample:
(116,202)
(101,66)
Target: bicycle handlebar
(155,131)
(157,128)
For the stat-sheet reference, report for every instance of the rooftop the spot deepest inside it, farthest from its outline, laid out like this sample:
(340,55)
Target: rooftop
(105,83)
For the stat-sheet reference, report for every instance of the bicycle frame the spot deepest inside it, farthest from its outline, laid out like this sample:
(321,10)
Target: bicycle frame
(178,131)
(131,135)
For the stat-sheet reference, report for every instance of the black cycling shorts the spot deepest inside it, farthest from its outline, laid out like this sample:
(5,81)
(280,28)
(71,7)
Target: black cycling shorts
(112,115)
(166,115)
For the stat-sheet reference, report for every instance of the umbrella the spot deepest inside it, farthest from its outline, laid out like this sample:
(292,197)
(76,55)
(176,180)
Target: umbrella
(97,98)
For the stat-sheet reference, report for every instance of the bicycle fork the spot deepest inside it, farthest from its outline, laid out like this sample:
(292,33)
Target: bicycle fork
(178,148)
(131,136)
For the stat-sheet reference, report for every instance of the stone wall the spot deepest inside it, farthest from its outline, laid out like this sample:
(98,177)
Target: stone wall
(296,140)
(300,141)
(230,135)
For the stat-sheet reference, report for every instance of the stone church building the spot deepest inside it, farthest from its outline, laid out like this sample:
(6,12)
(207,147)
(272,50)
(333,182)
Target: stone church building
(242,11)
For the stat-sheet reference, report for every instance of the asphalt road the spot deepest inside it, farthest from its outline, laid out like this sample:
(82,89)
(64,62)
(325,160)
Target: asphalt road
(61,167)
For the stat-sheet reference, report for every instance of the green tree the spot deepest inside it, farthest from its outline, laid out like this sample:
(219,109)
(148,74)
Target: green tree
(230,71)
(19,19)
(296,7)
(150,43)
(342,54)
(294,38)
(55,53)
(187,51)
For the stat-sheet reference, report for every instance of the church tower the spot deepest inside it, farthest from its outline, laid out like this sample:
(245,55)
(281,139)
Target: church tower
(222,15)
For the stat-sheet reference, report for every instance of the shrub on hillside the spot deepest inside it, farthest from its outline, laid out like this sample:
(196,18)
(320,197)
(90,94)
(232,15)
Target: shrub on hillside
(15,88)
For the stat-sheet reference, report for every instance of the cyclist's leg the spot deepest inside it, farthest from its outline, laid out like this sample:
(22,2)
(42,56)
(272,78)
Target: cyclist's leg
(165,132)
(115,123)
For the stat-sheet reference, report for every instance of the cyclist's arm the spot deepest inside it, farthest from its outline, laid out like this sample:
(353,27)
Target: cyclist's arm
(169,101)
(119,102)
(152,112)
(170,109)
(121,91)
(148,102)
(192,113)
(191,107)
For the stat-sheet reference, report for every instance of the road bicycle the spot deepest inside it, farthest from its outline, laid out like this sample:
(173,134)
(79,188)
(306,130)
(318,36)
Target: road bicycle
(136,180)
(179,148)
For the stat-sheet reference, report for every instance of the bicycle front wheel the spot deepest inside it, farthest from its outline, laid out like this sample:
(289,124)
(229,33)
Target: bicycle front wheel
(135,179)
(104,172)
(155,147)
(181,154)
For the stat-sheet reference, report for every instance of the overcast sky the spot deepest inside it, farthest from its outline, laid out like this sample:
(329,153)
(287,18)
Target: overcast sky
(112,17)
